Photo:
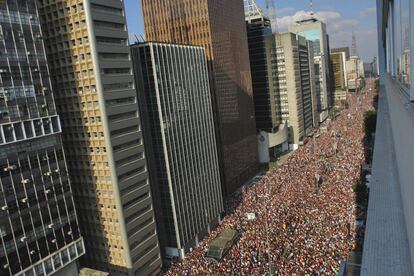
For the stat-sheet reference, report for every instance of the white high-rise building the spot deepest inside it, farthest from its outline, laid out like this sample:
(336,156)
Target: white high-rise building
(295,85)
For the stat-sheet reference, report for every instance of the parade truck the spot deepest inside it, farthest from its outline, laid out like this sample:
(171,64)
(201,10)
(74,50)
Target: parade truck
(352,84)
(221,246)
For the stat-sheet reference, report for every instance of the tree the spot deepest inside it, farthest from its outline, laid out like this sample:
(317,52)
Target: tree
(376,84)
(361,191)
(370,124)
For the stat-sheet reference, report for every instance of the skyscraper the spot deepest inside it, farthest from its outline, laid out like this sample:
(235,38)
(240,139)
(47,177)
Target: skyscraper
(338,65)
(355,73)
(180,141)
(39,232)
(272,132)
(96,97)
(258,28)
(314,30)
(342,49)
(294,85)
(219,27)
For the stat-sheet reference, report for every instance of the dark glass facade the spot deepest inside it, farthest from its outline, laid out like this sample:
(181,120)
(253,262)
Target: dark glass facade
(264,94)
(39,231)
(219,27)
(398,39)
(307,84)
(175,103)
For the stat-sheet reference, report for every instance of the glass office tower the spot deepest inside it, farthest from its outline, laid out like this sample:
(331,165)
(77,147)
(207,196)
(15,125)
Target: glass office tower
(176,107)
(39,233)
(219,27)
(264,94)
(315,31)
(397,40)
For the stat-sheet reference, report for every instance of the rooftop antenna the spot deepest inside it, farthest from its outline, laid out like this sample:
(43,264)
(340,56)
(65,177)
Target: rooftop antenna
(136,39)
(271,11)
(252,10)
(354,50)
(311,8)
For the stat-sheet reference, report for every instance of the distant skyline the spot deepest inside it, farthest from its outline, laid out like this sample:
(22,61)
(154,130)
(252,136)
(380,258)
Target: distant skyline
(341,17)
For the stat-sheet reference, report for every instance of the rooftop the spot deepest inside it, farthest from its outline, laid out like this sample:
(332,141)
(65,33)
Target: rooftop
(386,246)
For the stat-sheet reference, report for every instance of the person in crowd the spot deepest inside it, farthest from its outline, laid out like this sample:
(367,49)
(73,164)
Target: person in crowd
(302,225)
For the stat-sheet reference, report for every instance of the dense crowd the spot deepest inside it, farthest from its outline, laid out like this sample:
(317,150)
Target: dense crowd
(305,210)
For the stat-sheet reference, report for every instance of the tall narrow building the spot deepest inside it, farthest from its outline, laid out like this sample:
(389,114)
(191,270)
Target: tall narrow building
(181,145)
(39,232)
(219,27)
(355,73)
(96,97)
(294,85)
(315,31)
(265,100)
(342,50)
(307,78)
(272,132)
(338,65)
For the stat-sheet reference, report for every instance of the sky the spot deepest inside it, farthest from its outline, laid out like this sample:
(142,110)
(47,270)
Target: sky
(341,17)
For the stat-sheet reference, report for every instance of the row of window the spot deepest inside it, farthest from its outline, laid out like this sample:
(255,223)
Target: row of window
(18,17)
(19,131)
(58,260)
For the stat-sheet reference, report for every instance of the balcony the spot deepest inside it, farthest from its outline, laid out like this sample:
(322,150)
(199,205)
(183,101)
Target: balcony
(390,223)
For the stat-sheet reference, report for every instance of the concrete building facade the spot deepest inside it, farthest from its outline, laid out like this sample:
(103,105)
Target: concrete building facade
(181,145)
(96,96)
(219,27)
(315,31)
(389,234)
(39,231)
(293,68)
(355,73)
(339,73)
(345,50)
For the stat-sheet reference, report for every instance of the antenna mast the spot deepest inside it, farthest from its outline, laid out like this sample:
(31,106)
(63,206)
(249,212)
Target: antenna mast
(252,10)
(354,45)
(271,11)
(311,8)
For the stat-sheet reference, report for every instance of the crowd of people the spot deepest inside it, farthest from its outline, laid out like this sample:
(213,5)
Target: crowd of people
(305,213)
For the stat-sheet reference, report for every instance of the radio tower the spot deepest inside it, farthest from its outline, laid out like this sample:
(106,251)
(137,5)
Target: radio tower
(354,50)
(311,8)
(271,13)
(252,10)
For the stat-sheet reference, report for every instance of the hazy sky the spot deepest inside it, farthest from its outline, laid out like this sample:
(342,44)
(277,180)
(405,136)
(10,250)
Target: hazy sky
(340,16)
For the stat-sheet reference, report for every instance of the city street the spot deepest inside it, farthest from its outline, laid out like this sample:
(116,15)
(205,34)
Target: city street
(301,225)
